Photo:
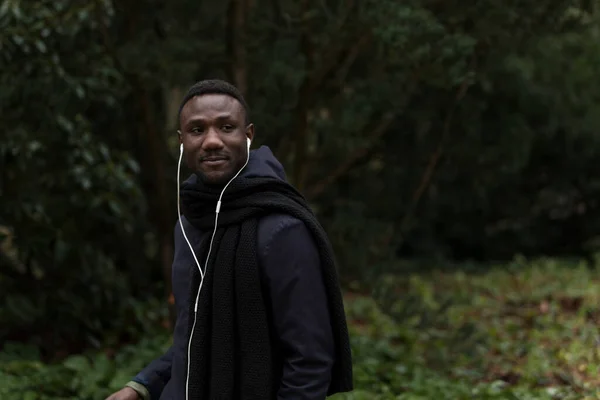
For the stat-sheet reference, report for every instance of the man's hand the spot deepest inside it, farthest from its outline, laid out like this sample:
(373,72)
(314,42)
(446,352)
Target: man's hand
(124,394)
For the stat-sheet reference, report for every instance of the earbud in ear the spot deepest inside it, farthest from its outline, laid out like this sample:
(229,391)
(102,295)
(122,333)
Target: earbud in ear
(181,148)
(249,142)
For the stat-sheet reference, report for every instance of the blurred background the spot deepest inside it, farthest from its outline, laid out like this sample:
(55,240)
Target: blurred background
(449,148)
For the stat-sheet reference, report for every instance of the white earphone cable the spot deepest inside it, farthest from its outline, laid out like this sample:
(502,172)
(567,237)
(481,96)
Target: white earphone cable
(179,214)
(217,210)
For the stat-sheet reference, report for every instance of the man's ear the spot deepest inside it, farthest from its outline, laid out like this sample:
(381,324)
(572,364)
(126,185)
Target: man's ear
(180,138)
(250,131)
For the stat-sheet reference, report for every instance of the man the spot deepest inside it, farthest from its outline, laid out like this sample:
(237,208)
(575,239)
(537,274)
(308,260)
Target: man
(263,318)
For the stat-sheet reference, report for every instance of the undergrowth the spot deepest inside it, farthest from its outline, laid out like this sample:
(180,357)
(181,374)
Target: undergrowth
(523,331)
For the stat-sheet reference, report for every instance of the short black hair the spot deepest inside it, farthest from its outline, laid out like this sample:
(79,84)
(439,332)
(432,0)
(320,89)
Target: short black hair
(215,86)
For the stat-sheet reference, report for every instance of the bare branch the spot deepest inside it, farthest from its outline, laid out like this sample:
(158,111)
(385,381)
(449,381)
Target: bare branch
(342,169)
(351,57)
(331,53)
(434,159)
(359,154)
(305,95)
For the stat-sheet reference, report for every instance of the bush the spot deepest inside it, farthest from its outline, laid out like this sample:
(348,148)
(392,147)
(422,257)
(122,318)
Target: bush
(524,331)
(89,376)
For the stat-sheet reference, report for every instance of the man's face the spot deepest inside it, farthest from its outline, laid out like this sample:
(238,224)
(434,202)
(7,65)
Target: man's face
(213,133)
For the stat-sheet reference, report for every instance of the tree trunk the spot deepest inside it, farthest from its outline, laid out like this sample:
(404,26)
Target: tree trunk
(236,43)
(152,163)
(301,163)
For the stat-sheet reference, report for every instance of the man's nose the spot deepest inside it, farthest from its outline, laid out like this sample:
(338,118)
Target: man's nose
(212,140)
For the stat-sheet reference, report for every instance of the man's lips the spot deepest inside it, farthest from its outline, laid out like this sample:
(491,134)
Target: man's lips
(213,160)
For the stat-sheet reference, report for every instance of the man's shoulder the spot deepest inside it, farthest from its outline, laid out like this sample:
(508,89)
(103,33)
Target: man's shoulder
(280,239)
(280,229)
(273,225)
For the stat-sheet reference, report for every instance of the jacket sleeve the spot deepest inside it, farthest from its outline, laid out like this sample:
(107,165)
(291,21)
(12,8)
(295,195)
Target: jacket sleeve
(300,313)
(156,375)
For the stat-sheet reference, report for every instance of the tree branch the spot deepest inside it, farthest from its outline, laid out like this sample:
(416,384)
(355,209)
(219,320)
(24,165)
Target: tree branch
(329,58)
(432,164)
(301,116)
(331,53)
(342,169)
(359,154)
(353,54)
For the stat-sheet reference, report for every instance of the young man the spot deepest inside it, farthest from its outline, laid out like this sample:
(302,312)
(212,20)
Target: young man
(263,318)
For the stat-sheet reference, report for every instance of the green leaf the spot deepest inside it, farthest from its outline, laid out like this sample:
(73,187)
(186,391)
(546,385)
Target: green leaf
(77,363)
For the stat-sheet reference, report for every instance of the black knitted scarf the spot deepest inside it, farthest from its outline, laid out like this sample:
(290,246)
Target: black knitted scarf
(231,355)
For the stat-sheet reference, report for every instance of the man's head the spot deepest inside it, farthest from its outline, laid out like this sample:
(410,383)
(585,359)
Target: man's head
(214,127)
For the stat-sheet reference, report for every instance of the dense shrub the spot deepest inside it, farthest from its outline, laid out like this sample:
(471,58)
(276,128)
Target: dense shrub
(523,331)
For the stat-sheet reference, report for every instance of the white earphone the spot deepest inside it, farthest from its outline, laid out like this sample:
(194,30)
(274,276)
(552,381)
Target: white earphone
(218,208)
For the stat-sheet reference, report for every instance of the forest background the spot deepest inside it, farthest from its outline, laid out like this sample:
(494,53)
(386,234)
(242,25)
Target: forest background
(450,149)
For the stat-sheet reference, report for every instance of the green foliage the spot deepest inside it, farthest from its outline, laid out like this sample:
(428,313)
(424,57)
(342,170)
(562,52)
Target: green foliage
(79,376)
(71,200)
(523,331)
(418,129)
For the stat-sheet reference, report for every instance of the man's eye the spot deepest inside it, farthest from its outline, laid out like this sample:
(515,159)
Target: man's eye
(227,127)
(196,130)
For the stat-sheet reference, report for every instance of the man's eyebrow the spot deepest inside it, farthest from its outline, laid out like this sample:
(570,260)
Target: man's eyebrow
(224,116)
(219,117)
(196,119)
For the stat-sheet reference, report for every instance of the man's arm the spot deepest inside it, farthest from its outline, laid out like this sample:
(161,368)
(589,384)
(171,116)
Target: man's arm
(158,373)
(150,382)
(301,319)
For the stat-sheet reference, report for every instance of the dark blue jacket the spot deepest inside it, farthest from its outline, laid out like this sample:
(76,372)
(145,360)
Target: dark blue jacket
(293,287)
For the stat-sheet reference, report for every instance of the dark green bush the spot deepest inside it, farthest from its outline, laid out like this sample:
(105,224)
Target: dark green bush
(524,331)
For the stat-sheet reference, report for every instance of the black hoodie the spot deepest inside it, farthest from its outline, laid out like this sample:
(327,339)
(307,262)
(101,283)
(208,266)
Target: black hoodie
(293,287)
